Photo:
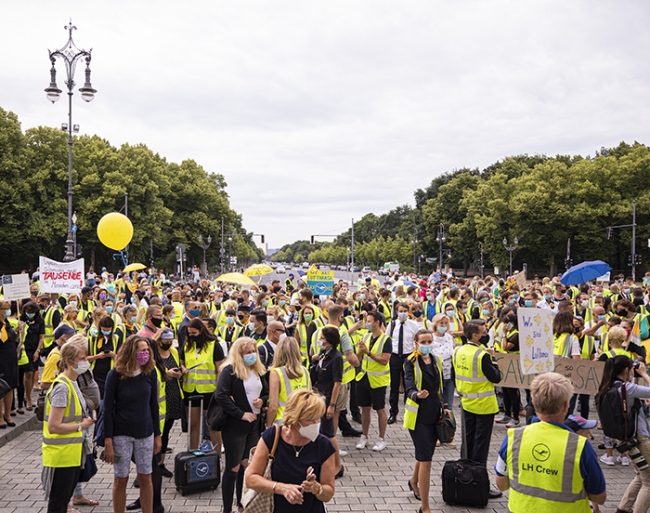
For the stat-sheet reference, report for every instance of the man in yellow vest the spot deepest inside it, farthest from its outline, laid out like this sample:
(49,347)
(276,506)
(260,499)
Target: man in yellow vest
(476,372)
(51,317)
(546,466)
(374,353)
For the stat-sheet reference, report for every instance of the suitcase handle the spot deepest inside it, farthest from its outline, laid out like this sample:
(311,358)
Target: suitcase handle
(189,420)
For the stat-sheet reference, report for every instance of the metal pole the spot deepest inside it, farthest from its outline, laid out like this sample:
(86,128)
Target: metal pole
(634,240)
(352,246)
(441,232)
(222,251)
(415,246)
(481,248)
(69,243)
(510,262)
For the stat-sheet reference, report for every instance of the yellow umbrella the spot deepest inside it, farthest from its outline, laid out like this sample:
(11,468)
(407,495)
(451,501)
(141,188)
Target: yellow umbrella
(134,267)
(258,270)
(237,278)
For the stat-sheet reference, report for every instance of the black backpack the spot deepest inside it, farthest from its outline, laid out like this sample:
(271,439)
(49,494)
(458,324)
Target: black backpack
(616,421)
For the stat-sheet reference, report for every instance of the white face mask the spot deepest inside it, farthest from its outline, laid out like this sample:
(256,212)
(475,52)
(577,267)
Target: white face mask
(310,431)
(402,316)
(82,366)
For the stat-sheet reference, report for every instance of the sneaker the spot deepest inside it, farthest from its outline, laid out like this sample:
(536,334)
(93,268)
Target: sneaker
(623,460)
(503,420)
(512,424)
(380,445)
(607,460)
(342,453)
(362,442)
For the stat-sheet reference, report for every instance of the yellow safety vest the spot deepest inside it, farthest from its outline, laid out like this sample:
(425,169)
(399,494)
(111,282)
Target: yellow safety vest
(162,399)
(348,370)
(222,331)
(378,374)
(411,408)
(604,341)
(302,333)
(476,391)
(60,451)
(617,351)
(562,345)
(94,345)
(179,310)
(48,319)
(587,347)
(288,387)
(544,470)
(203,378)
(510,334)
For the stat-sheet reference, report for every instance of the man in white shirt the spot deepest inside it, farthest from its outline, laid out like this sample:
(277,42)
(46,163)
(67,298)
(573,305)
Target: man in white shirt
(402,332)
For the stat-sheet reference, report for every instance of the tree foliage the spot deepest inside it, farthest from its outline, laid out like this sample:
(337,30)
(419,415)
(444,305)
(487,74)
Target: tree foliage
(168,203)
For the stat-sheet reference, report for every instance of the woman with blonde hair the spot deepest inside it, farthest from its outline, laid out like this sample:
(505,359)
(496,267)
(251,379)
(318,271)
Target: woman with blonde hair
(65,429)
(285,377)
(131,420)
(443,346)
(303,470)
(241,393)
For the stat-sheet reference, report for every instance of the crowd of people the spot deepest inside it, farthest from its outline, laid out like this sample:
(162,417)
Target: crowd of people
(131,354)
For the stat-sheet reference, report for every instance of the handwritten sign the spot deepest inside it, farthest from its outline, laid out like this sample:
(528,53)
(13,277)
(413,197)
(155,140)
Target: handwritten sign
(585,374)
(15,286)
(520,279)
(535,340)
(61,277)
(321,283)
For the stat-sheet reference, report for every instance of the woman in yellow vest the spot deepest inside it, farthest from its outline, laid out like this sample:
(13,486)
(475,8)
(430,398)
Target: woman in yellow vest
(66,419)
(173,391)
(241,393)
(8,361)
(423,386)
(565,343)
(511,396)
(455,323)
(200,358)
(285,377)
(305,318)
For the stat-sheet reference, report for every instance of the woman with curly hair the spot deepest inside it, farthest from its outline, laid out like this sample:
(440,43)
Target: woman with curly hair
(131,420)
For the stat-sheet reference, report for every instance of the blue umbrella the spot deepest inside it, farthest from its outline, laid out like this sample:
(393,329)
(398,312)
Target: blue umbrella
(584,272)
(301,273)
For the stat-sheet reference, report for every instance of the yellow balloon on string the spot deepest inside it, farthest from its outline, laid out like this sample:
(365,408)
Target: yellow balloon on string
(115,231)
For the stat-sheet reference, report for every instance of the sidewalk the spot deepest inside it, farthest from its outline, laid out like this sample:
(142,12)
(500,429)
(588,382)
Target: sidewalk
(373,481)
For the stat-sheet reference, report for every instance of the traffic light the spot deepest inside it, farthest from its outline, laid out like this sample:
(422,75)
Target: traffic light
(568,262)
(262,236)
(637,259)
(312,239)
(629,260)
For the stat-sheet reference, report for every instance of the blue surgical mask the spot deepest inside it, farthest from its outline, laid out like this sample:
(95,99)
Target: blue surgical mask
(72,303)
(442,329)
(106,332)
(29,315)
(515,296)
(282,302)
(528,303)
(7,313)
(109,309)
(509,325)
(602,317)
(265,302)
(250,359)
(449,313)
(547,296)
(195,312)
(511,302)
(369,326)
(486,312)
(230,321)
(133,319)
(426,349)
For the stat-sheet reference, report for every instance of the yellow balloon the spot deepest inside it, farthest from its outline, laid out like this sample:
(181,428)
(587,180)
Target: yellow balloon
(115,231)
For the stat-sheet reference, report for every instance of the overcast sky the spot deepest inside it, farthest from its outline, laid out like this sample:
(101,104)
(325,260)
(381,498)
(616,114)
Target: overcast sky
(319,112)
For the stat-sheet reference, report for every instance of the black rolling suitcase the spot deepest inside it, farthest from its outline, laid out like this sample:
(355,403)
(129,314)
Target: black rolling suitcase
(195,470)
(465,482)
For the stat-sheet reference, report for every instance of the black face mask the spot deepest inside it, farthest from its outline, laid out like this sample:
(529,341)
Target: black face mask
(346,312)
(485,339)
(156,322)
(417,313)
(621,313)
(240,300)
(165,347)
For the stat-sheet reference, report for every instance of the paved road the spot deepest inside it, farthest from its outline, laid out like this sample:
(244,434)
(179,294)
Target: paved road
(373,481)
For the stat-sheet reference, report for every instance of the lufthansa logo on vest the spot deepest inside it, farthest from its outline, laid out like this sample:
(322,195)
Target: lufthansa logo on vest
(541,452)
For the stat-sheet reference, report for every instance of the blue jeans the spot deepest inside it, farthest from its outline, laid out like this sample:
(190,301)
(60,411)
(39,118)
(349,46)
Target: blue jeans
(449,386)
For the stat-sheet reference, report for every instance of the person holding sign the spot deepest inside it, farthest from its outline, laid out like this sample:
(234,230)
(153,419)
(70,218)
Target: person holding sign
(511,396)
(565,343)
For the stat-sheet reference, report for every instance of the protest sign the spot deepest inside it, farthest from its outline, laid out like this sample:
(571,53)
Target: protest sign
(535,340)
(321,283)
(520,280)
(15,286)
(61,277)
(585,374)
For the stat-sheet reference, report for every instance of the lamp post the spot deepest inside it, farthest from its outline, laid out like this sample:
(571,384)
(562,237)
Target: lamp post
(70,55)
(510,249)
(441,238)
(204,247)
(480,247)
(415,248)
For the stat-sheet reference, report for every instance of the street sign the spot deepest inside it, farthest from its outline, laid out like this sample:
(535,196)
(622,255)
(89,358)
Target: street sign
(321,283)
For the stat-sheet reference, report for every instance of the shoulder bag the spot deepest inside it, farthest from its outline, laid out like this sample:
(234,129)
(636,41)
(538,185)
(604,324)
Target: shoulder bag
(255,502)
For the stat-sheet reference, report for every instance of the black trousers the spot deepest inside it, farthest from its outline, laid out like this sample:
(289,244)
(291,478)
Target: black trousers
(511,402)
(584,405)
(63,485)
(354,406)
(396,373)
(478,431)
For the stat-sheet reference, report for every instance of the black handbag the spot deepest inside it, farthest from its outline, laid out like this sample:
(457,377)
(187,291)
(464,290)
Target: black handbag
(89,470)
(216,417)
(4,388)
(446,428)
